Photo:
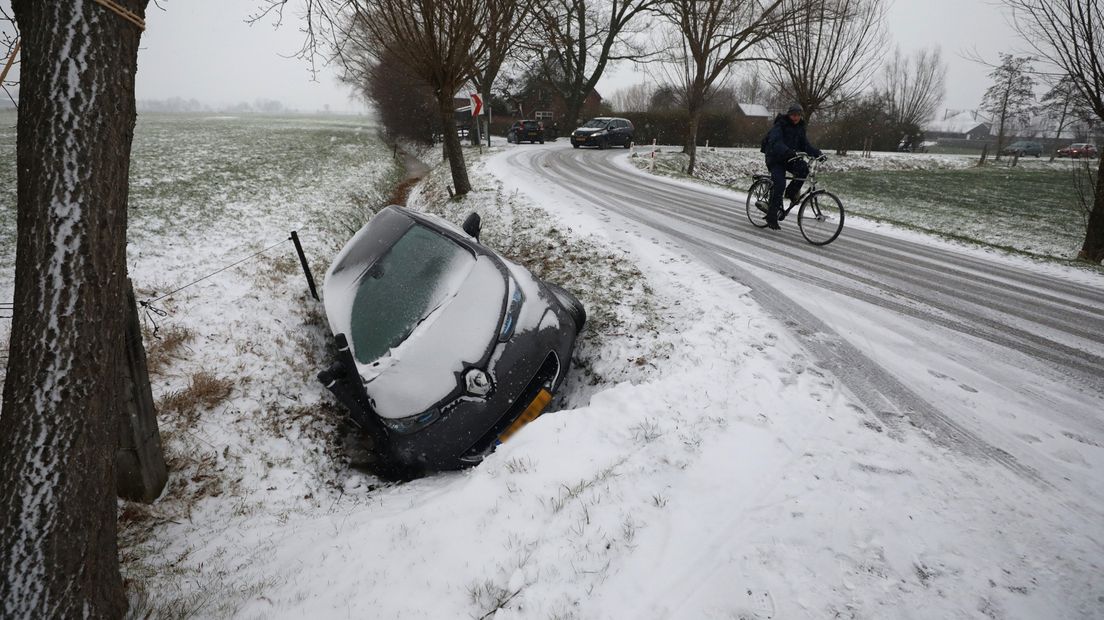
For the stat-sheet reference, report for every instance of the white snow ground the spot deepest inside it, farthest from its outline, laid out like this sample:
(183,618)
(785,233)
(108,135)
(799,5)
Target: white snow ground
(721,474)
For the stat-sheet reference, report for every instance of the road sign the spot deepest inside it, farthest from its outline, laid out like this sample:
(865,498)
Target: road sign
(476,105)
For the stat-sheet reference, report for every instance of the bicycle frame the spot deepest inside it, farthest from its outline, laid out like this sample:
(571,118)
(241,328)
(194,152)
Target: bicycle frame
(820,216)
(810,180)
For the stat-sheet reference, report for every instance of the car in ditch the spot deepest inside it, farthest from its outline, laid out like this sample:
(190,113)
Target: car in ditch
(604,132)
(445,348)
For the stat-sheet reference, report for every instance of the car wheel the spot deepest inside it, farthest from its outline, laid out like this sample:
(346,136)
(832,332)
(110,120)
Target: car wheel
(574,145)
(603,144)
(571,304)
(542,141)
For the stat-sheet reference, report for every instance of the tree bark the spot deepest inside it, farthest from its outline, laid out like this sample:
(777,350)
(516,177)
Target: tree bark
(1093,248)
(453,150)
(692,140)
(59,423)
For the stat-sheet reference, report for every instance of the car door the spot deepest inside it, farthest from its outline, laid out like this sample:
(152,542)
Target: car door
(618,131)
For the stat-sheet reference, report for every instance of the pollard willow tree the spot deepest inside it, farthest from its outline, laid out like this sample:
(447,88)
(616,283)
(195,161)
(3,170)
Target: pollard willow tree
(914,86)
(713,35)
(437,40)
(1070,34)
(576,40)
(1064,106)
(59,423)
(829,52)
(507,21)
(1011,98)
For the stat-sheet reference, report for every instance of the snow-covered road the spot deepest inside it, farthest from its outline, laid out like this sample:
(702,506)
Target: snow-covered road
(961,345)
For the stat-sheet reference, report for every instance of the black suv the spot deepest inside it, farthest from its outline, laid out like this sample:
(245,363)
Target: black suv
(533,131)
(604,132)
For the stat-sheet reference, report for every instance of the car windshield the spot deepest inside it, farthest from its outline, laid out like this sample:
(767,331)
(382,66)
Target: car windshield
(596,122)
(415,277)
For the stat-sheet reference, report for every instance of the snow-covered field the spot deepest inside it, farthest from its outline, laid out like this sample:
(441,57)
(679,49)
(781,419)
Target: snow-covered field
(700,463)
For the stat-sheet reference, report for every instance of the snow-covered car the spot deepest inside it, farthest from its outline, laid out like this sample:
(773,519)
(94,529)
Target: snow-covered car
(445,348)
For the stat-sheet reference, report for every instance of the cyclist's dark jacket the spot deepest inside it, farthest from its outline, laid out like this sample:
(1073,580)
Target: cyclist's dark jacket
(785,139)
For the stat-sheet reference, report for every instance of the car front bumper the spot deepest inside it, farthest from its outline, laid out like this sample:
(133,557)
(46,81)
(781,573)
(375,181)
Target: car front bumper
(588,140)
(470,427)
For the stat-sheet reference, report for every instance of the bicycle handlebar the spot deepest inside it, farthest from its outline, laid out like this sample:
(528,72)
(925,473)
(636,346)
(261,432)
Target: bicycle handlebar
(803,155)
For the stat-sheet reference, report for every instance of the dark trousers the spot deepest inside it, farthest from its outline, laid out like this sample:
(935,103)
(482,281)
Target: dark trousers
(799,169)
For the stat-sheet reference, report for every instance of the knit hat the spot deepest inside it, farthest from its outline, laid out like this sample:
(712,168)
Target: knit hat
(796,109)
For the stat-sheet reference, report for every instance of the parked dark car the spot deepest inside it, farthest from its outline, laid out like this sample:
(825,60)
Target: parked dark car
(1023,148)
(1078,150)
(533,131)
(604,132)
(445,348)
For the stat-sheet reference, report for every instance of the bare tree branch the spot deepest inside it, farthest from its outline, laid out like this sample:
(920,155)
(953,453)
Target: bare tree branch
(830,52)
(709,37)
(914,87)
(577,39)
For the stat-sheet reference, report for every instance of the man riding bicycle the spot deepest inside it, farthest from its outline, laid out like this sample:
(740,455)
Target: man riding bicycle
(785,139)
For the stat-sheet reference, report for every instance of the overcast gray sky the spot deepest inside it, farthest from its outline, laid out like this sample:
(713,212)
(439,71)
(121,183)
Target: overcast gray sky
(203,49)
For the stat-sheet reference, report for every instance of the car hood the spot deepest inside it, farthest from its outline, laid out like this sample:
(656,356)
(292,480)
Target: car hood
(589,129)
(426,367)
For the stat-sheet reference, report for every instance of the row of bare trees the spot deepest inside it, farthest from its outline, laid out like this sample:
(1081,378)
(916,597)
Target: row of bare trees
(820,52)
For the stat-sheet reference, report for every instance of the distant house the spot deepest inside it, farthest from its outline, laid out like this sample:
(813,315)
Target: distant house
(544,103)
(965,124)
(753,111)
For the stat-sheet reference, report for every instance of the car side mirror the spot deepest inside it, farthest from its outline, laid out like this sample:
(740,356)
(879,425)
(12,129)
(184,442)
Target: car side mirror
(472,225)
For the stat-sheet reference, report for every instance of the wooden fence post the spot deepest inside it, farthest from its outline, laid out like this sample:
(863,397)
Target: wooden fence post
(141,472)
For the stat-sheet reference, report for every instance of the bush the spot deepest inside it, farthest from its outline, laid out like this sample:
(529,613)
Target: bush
(670,127)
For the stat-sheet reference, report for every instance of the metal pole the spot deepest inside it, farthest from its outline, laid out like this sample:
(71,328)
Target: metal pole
(303,261)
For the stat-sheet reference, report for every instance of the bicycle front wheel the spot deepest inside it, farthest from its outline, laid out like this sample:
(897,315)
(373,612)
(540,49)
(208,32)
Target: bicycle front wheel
(757,202)
(820,218)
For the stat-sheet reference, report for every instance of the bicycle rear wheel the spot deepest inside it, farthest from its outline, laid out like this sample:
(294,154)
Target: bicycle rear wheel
(820,218)
(759,192)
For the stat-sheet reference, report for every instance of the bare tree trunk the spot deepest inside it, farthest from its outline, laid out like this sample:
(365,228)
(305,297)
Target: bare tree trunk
(58,428)
(1058,133)
(1093,248)
(692,139)
(454,152)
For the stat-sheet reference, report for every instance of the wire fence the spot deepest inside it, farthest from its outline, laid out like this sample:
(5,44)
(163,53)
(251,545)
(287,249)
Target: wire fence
(149,310)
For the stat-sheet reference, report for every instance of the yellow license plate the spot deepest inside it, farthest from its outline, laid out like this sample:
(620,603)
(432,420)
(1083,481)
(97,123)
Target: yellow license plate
(532,412)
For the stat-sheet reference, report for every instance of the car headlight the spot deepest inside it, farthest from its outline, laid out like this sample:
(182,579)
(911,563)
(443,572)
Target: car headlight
(513,309)
(600,133)
(414,423)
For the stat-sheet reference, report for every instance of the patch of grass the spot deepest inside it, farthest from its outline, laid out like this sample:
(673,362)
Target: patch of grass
(204,391)
(164,346)
(1030,211)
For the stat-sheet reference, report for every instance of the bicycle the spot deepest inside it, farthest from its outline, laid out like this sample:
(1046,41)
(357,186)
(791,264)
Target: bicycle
(820,218)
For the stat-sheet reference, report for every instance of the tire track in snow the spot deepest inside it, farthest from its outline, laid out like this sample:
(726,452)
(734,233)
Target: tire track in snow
(959,292)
